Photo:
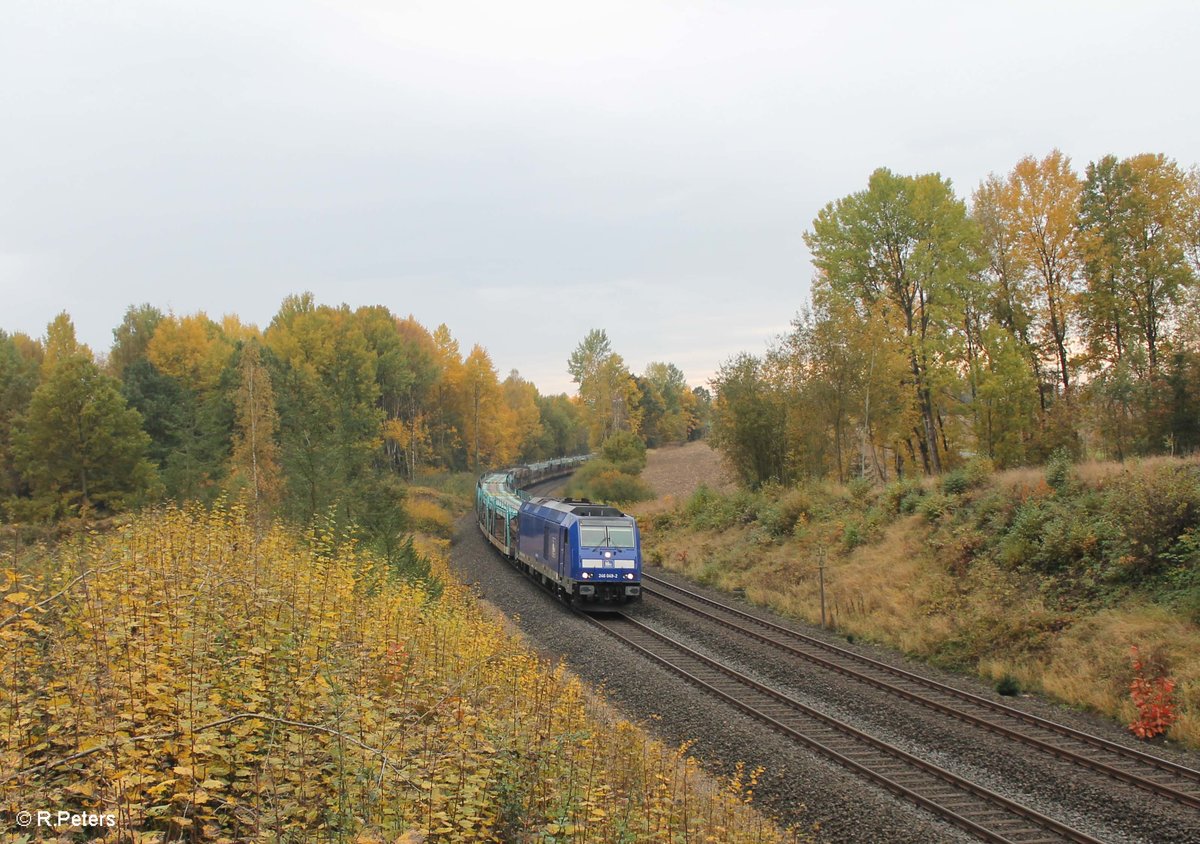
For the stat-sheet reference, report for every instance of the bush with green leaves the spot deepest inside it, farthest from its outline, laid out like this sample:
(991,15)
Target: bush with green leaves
(625,451)
(934,506)
(902,496)
(710,510)
(783,513)
(601,480)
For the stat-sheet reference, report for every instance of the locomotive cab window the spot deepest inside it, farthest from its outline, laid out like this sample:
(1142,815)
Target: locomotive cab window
(610,536)
(592,535)
(620,536)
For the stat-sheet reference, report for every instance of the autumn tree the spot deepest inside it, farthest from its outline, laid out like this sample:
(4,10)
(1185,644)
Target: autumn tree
(1134,222)
(606,388)
(405,372)
(521,399)
(1041,206)
(330,421)
(490,425)
(254,459)
(79,447)
(183,389)
(448,410)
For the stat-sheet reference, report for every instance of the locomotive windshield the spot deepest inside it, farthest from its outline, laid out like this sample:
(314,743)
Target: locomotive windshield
(612,536)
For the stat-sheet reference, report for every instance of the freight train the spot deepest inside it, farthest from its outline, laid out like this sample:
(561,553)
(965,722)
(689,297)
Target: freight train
(588,554)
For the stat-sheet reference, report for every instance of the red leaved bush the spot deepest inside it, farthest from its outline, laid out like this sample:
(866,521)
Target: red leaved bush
(1153,697)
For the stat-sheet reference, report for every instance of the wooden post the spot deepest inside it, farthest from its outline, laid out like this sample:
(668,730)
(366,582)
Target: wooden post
(821,579)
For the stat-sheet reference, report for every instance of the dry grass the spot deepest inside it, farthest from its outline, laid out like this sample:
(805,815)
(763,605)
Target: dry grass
(425,514)
(911,589)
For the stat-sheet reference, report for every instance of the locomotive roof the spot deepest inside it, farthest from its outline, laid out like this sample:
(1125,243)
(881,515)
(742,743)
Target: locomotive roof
(578,507)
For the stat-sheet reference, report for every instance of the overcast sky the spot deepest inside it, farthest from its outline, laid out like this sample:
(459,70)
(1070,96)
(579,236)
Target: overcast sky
(526,172)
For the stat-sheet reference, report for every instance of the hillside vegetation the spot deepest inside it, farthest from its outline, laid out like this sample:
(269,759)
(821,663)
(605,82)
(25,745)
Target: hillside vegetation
(1041,579)
(206,680)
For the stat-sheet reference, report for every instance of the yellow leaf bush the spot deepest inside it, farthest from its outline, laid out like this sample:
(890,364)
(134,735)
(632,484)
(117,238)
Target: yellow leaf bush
(203,681)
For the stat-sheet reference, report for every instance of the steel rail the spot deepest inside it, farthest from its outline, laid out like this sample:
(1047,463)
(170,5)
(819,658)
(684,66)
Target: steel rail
(896,770)
(1169,790)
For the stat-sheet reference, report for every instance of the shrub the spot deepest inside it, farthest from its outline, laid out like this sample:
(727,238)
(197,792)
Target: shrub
(852,536)
(579,485)
(1059,470)
(626,451)
(978,470)
(1154,698)
(1157,514)
(934,506)
(902,496)
(620,488)
(1008,686)
(780,517)
(955,482)
(600,480)
(709,510)
(859,489)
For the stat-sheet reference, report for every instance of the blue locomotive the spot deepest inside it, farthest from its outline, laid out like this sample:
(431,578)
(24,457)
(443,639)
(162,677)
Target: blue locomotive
(590,554)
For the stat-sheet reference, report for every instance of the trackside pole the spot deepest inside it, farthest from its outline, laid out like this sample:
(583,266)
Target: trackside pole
(821,580)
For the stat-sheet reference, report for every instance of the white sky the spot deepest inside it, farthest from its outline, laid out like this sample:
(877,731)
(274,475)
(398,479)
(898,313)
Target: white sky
(526,172)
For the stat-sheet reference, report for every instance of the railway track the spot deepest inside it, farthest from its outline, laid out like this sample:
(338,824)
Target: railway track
(1147,772)
(968,806)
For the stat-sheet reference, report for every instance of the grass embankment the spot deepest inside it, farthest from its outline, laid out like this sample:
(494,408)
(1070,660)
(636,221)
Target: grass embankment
(205,681)
(1044,577)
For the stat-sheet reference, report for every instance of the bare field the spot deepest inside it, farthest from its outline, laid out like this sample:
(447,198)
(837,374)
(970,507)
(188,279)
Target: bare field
(675,471)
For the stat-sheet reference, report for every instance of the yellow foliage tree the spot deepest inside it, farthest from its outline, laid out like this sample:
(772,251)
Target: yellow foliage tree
(190,349)
(490,425)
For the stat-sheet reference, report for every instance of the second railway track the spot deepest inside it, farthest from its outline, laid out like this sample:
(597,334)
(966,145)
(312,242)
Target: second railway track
(1112,760)
(970,807)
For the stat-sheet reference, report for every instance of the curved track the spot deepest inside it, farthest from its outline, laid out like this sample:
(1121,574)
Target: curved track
(1155,775)
(975,809)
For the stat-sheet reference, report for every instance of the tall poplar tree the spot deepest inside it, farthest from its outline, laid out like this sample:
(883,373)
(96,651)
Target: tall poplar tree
(254,461)
(901,250)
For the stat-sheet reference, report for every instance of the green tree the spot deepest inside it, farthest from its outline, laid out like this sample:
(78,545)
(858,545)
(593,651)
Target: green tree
(330,421)
(563,434)
(901,252)
(750,422)
(132,337)
(19,366)
(80,448)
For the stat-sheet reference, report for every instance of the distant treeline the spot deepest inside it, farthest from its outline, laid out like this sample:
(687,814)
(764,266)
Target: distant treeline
(326,414)
(1053,312)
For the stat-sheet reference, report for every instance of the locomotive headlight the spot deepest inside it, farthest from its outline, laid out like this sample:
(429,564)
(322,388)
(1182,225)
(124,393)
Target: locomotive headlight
(608,555)
(629,576)
(585,575)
